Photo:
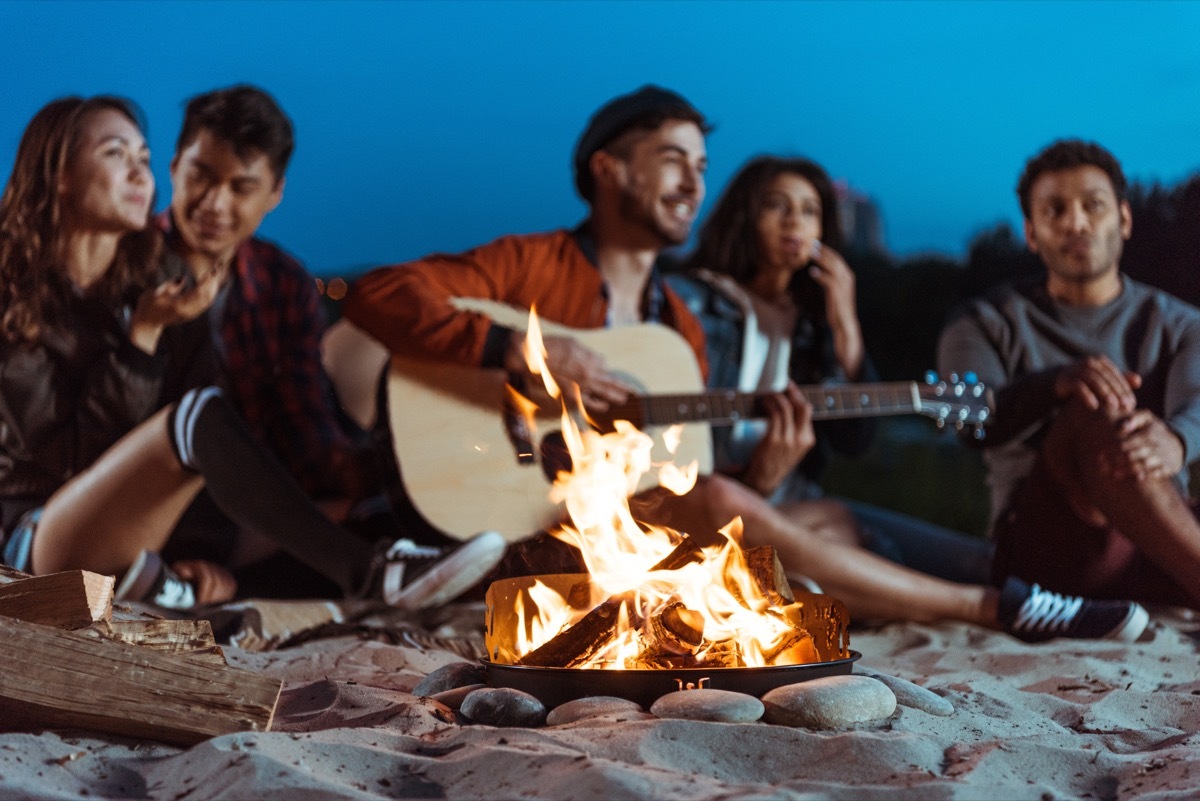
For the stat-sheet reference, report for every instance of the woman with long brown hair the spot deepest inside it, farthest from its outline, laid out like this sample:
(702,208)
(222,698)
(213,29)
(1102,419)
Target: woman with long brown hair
(108,425)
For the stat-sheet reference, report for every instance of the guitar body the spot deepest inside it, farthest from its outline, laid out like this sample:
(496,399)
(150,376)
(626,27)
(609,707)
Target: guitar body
(458,465)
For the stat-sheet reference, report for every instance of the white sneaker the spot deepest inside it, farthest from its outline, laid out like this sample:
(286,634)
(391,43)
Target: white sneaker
(149,580)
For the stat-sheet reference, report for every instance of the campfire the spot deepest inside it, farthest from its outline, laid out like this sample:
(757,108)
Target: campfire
(653,599)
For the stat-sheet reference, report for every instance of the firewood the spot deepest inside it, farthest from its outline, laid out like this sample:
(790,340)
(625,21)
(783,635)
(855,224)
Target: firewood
(51,679)
(769,575)
(727,653)
(11,574)
(584,639)
(192,639)
(685,553)
(675,629)
(68,600)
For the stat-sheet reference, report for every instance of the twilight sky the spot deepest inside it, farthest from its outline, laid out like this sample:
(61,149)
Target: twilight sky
(426,126)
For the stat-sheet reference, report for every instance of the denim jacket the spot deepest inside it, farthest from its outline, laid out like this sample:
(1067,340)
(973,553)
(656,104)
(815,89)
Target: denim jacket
(812,362)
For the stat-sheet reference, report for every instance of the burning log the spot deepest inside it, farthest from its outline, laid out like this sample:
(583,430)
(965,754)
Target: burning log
(769,575)
(583,640)
(677,629)
(674,634)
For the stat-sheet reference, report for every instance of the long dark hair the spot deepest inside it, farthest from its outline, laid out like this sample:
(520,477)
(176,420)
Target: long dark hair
(728,240)
(32,236)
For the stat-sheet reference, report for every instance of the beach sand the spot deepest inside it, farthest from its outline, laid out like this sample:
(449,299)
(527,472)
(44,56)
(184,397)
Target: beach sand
(1066,719)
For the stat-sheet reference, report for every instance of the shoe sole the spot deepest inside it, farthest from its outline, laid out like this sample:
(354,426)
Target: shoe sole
(454,575)
(1135,623)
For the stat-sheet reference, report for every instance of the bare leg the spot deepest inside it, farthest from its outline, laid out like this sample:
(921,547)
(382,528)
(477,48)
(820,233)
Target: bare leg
(827,519)
(870,586)
(127,501)
(1150,512)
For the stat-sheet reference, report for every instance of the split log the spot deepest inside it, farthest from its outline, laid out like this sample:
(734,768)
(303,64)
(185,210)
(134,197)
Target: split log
(67,600)
(576,645)
(59,679)
(192,639)
(769,575)
(11,574)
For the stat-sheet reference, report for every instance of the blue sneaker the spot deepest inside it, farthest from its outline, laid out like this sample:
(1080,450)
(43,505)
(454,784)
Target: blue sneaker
(1032,614)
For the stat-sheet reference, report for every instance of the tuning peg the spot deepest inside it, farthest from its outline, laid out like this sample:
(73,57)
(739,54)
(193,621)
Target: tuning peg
(931,377)
(969,377)
(954,378)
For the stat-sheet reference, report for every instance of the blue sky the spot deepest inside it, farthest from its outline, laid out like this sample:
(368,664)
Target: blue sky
(428,126)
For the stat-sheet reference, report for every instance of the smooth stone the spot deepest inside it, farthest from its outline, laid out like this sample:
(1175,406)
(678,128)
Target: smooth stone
(832,702)
(454,698)
(913,695)
(503,706)
(590,707)
(717,706)
(450,677)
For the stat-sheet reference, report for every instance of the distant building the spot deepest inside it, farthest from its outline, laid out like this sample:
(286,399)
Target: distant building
(862,223)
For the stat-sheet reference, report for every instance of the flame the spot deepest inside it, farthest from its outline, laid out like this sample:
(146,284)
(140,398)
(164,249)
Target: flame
(710,610)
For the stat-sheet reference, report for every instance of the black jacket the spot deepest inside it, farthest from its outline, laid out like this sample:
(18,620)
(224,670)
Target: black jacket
(67,398)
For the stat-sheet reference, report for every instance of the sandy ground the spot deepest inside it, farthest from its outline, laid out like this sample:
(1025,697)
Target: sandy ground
(1068,719)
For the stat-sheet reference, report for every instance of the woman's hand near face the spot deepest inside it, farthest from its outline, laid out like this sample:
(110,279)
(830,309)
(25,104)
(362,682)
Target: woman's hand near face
(169,304)
(833,274)
(788,440)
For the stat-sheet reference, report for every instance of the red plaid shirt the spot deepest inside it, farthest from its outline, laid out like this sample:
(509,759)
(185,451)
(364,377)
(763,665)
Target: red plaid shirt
(268,344)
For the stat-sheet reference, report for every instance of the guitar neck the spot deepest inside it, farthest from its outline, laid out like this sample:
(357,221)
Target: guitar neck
(829,402)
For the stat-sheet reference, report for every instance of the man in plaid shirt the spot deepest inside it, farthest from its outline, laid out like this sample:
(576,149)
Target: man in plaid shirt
(227,174)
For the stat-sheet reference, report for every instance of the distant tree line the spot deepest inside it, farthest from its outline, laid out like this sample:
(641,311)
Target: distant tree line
(903,302)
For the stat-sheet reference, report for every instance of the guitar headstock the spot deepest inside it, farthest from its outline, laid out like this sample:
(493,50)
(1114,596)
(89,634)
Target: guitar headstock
(963,403)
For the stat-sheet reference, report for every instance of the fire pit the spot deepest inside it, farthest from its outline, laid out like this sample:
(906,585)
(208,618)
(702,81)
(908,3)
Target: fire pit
(658,610)
(822,616)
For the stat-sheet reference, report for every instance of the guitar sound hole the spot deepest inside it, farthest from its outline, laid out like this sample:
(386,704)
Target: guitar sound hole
(555,456)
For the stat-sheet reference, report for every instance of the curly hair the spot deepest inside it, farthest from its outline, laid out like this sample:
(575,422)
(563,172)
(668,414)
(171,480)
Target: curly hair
(32,235)
(1066,154)
(728,239)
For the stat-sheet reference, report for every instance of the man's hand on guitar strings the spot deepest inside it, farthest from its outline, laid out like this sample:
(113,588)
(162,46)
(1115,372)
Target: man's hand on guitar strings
(571,362)
(788,440)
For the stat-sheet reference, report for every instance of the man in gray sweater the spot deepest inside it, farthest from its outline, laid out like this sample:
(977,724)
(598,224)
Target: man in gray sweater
(1097,398)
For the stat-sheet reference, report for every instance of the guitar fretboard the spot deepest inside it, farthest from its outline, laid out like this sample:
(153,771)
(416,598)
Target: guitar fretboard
(830,402)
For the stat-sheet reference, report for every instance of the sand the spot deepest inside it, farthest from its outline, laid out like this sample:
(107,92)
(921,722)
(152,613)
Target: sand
(1067,719)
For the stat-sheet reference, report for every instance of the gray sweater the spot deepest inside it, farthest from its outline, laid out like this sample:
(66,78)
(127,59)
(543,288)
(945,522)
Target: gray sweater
(1015,339)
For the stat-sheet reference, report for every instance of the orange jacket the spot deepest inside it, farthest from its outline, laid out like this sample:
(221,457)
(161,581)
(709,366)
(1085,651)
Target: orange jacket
(407,306)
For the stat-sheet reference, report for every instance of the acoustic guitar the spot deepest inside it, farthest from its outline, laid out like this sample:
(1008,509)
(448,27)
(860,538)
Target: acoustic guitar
(466,467)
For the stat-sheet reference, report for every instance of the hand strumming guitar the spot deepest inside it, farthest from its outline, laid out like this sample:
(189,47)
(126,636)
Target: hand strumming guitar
(569,363)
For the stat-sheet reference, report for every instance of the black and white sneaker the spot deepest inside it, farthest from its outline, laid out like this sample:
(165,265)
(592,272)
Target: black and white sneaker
(149,580)
(420,576)
(1032,614)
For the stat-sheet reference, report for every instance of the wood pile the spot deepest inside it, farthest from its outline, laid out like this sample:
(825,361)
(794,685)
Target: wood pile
(71,661)
(673,637)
